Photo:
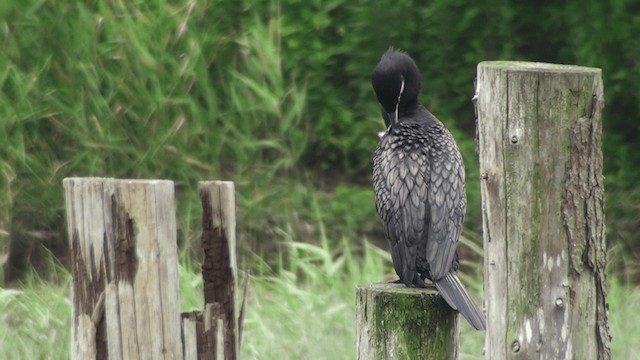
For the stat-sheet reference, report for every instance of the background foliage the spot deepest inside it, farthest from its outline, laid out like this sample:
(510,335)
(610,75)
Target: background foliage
(274,96)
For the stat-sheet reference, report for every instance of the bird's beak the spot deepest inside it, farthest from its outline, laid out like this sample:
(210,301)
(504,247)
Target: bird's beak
(393,117)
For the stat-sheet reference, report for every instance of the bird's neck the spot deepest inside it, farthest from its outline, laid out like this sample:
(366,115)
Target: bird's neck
(417,113)
(410,109)
(409,105)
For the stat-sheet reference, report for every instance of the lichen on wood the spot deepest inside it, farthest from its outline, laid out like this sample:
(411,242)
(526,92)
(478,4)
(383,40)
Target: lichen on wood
(542,203)
(396,322)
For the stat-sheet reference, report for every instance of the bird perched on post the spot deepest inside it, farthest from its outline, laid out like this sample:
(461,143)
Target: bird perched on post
(418,179)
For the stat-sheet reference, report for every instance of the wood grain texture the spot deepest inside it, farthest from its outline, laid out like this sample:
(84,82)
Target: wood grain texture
(396,322)
(126,299)
(539,141)
(219,269)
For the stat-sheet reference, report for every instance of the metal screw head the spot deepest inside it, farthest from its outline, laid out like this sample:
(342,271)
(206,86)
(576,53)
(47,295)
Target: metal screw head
(559,302)
(514,139)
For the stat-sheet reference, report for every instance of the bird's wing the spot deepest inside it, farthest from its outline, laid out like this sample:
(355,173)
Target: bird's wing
(400,185)
(447,201)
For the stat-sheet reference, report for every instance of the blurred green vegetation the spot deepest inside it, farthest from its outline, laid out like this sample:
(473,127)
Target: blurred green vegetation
(276,97)
(304,310)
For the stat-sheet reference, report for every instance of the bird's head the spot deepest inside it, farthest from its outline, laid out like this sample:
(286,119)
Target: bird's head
(396,82)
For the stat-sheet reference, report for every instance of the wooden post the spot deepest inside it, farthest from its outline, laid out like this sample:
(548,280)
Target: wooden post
(539,135)
(219,269)
(126,298)
(396,322)
(192,335)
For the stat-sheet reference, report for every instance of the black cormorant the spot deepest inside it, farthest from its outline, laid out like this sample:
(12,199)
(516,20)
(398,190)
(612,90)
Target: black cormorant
(418,179)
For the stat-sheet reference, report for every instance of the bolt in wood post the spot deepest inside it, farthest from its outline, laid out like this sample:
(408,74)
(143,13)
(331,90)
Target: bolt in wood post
(539,135)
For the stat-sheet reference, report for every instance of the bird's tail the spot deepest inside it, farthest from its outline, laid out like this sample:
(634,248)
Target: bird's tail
(458,298)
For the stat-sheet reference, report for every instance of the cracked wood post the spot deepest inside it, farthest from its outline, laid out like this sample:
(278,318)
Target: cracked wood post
(219,268)
(126,299)
(396,322)
(539,141)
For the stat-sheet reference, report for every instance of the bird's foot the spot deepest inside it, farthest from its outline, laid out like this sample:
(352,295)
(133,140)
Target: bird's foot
(419,283)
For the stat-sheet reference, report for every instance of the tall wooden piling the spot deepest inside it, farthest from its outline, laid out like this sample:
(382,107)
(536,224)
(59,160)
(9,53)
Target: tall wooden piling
(539,135)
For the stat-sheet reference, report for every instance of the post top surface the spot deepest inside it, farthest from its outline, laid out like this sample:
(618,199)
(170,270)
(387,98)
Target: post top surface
(537,67)
(93,180)
(397,288)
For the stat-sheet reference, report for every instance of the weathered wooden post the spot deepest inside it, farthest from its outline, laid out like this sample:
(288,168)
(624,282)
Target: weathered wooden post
(396,322)
(219,267)
(214,333)
(126,298)
(539,134)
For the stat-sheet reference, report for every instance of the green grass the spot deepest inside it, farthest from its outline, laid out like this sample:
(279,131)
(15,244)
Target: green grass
(624,319)
(304,307)
(310,303)
(35,320)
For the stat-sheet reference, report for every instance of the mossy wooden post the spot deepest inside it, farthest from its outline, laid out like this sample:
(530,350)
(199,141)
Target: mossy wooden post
(126,298)
(539,138)
(396,322)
